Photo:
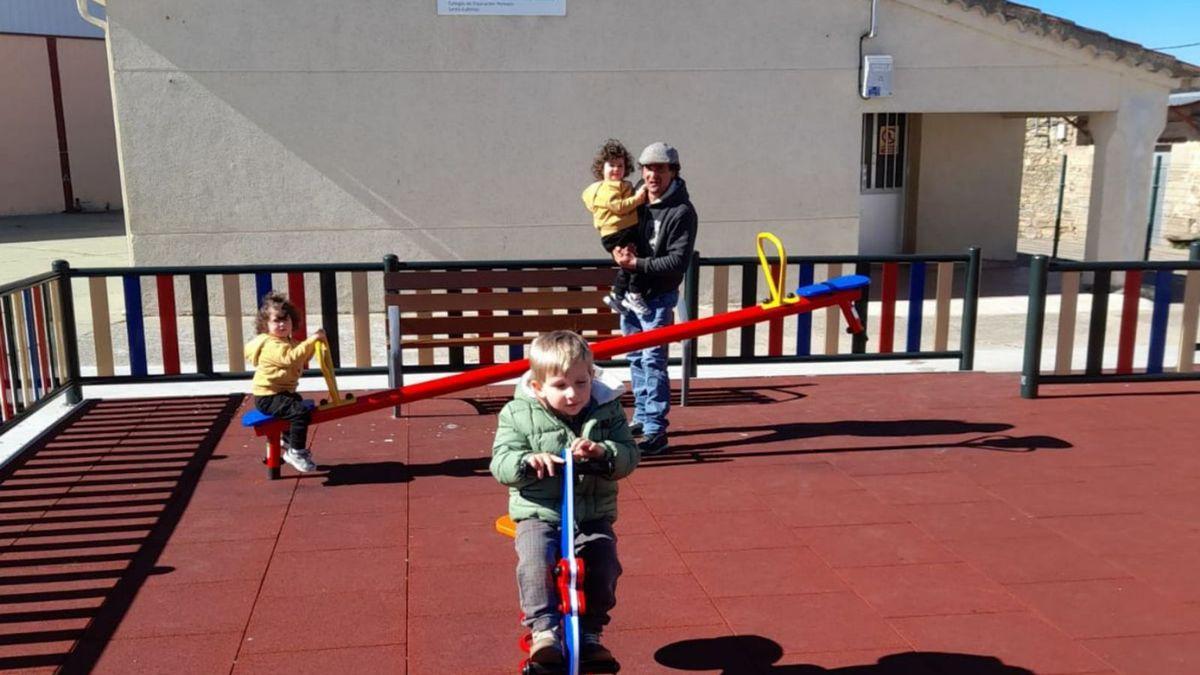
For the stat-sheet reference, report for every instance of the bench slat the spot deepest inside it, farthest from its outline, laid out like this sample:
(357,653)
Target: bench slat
(470,325)
(399,281)
(445,302)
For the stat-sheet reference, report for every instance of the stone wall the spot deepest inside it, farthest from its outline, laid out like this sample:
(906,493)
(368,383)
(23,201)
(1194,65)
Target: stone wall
(1047,140)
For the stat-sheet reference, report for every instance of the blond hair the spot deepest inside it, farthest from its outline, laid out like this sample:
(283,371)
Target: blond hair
(555,352)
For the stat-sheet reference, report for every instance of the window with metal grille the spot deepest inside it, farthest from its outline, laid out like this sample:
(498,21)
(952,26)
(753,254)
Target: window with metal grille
(884,144)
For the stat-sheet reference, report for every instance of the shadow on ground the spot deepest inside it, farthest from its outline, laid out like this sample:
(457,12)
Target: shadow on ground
(747,654)
(84,517)
(698,398)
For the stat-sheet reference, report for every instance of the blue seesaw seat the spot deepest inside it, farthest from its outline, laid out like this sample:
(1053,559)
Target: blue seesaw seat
(848,282)
(255,418)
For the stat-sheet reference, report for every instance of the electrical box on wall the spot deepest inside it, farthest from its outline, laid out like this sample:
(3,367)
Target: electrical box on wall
(877,76)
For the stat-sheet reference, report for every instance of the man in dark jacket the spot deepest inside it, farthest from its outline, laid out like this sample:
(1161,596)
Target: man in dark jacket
(666,237)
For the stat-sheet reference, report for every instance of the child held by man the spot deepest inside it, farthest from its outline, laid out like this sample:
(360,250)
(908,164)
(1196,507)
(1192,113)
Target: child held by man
(278,361)
(563,402)
(613,205)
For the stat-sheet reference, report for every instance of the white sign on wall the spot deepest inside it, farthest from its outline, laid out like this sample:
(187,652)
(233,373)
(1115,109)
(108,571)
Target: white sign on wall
(503,7)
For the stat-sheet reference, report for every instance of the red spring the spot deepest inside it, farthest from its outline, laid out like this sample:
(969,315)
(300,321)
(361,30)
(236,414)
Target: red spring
(565,592)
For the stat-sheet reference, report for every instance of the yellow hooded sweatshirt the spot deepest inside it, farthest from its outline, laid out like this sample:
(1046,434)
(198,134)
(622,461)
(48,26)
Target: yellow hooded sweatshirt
(277,362)
(613,205)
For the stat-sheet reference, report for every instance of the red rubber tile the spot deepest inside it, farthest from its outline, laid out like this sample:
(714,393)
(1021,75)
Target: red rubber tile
(660,601)
(868,660)
(1018,639)
(463,589)
(481,643)
(466,511)
(1172,574)
(382,660)
(218,607)
(325,621)
(342,530)
(929,589)
(1151,655)
(294,573)
(811,622)
(242,524)
(316,498)
(210,653)
(438,547)
(1031,559)
(771,571)
(203,562)
(990,519)
(1108,608)
(1120,534)
(790,479)
(856,507)
(633,517)
(650,553)
(732,531)
(874,544)
(924,488)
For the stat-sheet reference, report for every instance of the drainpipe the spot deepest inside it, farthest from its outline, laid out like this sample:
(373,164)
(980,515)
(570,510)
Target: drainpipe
(863,38)
(82,6)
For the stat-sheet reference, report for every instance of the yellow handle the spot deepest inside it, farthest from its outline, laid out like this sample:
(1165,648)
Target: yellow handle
(325,361)
(777,282)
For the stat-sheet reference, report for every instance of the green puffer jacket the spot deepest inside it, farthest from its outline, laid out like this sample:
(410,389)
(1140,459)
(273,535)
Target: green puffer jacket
(525,427)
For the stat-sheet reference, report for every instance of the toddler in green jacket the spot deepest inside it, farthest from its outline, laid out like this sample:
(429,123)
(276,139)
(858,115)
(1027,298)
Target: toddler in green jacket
(563,402)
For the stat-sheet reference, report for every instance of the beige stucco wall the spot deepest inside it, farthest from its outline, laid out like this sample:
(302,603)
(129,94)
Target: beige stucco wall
(970,183)
(30,179)
(30,173)
(388,128)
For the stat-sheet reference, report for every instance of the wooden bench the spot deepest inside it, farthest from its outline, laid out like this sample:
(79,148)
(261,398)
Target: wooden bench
(489,309)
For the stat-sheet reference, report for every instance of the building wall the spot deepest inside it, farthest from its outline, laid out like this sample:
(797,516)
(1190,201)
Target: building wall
(970,184)
(391,129)
(1045,147)
(30,171)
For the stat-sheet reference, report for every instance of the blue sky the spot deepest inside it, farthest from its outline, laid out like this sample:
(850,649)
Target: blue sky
(1152,23)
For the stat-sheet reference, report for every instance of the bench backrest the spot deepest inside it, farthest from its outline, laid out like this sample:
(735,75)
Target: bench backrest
(489,308)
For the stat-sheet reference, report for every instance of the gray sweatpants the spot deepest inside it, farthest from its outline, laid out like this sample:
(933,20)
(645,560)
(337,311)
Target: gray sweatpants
(537,551)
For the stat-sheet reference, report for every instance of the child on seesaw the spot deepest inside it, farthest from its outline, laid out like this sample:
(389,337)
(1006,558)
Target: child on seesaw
(563,402)
(278,361)
(613,205)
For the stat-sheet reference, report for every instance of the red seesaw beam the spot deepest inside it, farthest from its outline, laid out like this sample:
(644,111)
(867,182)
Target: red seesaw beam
(601,350)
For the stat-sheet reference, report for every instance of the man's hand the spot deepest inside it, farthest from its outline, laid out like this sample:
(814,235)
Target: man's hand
(586,449)
(543,463)
(625,257)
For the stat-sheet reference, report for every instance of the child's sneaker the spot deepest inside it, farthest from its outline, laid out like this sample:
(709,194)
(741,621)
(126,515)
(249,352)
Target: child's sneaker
(594,654)
(545,649)
(634,303)
(614,302)
(300,459)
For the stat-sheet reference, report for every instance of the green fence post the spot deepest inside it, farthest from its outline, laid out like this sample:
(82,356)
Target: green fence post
(66,302)
(970,310)
(1035,321)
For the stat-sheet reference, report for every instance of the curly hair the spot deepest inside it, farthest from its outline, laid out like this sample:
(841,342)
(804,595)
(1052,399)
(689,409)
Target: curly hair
(612,149)
(277,302)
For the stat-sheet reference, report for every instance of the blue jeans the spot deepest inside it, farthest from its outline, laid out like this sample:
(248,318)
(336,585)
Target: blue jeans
(648,367)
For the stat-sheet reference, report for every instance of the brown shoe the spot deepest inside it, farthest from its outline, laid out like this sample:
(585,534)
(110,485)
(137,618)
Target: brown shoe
(592,653)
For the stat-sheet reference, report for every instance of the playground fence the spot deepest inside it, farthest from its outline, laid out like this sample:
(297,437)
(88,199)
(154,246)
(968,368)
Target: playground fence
(1134,273)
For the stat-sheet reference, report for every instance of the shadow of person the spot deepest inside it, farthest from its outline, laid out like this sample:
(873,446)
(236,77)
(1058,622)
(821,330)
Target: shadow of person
(365,473)
(746,654)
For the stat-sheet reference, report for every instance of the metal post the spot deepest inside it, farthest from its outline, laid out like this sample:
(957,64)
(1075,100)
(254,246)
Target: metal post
(1062,185)
(690,310)
(391,263)
(66,300)
(1035,321)
(1153,206)
(970,310)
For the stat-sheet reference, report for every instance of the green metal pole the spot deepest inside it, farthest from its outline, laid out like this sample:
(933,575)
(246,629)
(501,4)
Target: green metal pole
(1062,185)
(970,310)
(66,302)
(1153,206)
(1035,320)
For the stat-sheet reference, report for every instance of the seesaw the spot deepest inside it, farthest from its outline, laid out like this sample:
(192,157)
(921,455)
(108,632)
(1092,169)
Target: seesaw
(842,292)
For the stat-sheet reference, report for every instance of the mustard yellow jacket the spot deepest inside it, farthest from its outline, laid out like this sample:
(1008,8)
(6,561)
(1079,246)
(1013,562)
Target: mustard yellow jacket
(278,363)
(613,205)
